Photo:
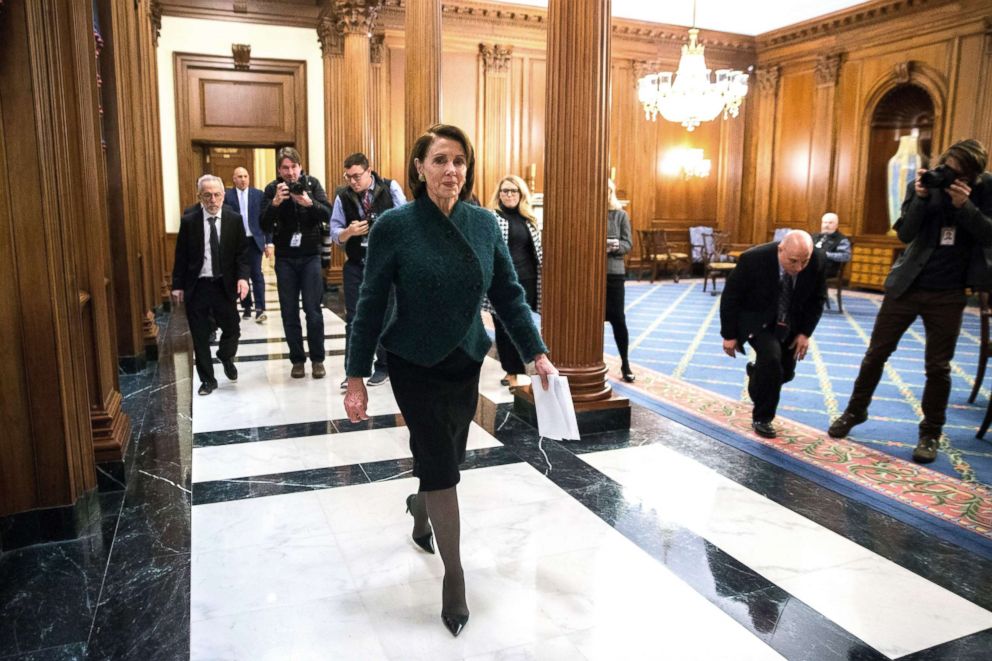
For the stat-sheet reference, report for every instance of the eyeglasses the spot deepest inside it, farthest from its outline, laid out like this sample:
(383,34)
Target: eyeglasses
(510,191)
(355,177)
(209,196)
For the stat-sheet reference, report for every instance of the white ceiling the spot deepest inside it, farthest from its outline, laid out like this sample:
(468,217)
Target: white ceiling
(751,17)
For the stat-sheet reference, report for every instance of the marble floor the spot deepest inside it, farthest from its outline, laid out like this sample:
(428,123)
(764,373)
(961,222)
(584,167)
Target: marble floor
(258,523)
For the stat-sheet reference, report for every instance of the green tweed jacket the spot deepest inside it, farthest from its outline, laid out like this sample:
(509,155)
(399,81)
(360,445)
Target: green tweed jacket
(441,268)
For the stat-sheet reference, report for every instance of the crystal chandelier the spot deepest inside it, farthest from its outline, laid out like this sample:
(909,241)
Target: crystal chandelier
(689,96)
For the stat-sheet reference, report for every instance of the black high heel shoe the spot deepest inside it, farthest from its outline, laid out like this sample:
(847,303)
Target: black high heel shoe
(425,542)
(454,623)
(628,376)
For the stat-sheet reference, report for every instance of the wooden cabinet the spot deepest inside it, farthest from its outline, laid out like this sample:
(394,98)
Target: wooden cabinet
(871,260)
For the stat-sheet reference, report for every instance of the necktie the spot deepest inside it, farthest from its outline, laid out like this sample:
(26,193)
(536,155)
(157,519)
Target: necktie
(367,202)
(784,299)
(214,246)
(243,203)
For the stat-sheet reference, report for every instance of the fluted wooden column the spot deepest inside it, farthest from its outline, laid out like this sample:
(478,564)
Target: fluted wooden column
(377,48)
(422,78)
(332,47)
(762,184)
(47,313)
(495,160)
(821,163)
(355,20)
(575,197)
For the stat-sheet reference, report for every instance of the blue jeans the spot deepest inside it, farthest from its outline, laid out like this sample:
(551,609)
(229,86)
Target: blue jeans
(296,276)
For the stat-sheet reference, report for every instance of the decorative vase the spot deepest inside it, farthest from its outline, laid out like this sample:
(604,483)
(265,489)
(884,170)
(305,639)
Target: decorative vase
(901,171)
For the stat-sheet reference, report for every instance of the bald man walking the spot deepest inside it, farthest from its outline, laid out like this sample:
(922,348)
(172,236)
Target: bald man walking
(248,202)
(773,300)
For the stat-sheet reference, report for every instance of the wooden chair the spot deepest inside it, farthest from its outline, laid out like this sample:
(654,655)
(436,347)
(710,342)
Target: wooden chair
(839,281)
(657,251)
(716,260)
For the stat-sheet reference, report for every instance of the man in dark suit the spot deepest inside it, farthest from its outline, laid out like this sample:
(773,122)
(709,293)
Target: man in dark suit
(773,299)
(210,270)
(248,202)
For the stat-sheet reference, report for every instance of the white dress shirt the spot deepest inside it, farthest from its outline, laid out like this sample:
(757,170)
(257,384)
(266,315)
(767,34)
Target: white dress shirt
(208,266)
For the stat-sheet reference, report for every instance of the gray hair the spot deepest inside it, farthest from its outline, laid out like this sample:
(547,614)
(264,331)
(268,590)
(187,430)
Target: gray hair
(208,179)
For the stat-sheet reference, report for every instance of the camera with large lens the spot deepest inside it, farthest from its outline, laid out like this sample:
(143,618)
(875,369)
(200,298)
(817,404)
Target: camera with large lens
(371,219)
(940,177)
(298,187)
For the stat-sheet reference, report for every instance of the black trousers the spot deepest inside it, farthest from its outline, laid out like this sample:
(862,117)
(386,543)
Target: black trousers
(509,357)
(774,365)
(615,314)
(352,274)
(942,312)
(208,304)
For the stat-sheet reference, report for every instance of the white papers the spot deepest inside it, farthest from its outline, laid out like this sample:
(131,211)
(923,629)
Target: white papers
(555,413)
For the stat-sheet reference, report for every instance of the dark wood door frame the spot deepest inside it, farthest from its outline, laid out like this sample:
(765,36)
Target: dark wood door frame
(188,146)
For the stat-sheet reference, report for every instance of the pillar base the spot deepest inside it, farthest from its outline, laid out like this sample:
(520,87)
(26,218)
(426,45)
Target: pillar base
(149,331)
(51,524)
(132,364)
(611,414)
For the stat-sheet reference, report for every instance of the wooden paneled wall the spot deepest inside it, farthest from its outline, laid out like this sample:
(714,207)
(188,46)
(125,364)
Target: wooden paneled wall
(814,120)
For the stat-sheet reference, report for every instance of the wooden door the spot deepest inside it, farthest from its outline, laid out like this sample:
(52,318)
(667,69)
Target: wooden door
(222,161)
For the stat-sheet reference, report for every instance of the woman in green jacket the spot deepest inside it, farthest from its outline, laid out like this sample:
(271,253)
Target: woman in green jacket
(441,256)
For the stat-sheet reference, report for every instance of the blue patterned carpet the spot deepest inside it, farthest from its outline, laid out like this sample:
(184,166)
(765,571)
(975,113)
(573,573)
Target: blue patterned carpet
(674,330)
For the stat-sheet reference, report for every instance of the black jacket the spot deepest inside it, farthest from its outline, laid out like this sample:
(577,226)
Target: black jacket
(289,217)
(920,224)
(750,297)
(234,263)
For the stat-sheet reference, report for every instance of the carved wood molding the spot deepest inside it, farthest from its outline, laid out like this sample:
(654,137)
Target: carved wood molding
(903,72)
(377,48)
(768,79)
(356,16)
(155,12)
(331,41)
(242,56)
(828,69)
(495,58)
(842,21)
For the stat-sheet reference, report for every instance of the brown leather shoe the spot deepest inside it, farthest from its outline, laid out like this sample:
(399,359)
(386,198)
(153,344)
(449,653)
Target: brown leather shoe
(841,427)
(926,450)
(318,370)
(299,371)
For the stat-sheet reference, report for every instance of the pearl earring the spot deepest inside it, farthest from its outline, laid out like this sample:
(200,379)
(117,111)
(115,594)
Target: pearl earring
(421,177)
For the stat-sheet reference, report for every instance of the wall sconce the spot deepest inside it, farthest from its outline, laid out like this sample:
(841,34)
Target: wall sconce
(685,162)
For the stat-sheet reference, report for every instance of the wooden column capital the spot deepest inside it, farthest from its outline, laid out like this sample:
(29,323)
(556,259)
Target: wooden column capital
(356,16)
(495,58)
(331,40)
(828,69)
(155,12)
(768,80)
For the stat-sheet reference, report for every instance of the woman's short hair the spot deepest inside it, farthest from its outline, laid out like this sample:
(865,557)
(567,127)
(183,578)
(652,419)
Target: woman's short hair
(291,154)
(613,204)
(970,154)
(524,209)
(423,145)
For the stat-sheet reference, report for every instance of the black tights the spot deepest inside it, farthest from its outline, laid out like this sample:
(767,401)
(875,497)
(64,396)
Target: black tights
(615,315)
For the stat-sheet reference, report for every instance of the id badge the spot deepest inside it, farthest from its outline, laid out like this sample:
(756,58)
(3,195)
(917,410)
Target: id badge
(947,235)
(296,240)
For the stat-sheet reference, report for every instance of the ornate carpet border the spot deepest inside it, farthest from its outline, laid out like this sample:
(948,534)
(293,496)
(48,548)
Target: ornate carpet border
(967,506)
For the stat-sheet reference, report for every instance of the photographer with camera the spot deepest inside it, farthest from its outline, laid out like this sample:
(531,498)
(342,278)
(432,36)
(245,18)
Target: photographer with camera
(356,206)
(947,223)
(295,211)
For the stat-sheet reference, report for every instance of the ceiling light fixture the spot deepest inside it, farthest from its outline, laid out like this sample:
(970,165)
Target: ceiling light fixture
(689,97)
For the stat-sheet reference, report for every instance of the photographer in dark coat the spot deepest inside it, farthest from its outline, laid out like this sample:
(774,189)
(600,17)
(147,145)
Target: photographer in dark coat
(295,212)
(947,222)
(773,300)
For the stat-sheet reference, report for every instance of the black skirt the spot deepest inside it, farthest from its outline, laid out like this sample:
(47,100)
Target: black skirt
(438,404)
